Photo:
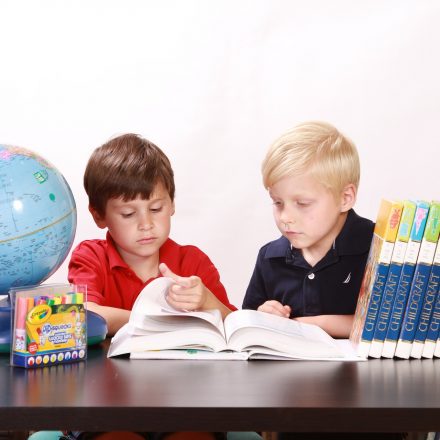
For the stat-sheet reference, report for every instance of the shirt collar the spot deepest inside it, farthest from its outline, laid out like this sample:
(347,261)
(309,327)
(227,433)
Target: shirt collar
(355,236)
(114,258)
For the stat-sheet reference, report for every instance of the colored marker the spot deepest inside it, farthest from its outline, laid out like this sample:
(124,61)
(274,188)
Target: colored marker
(67,299)
(78,298)
(20,324)
(30,303)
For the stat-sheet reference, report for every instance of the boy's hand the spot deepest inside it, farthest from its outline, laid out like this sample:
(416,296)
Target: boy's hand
(187,294)
(275,308)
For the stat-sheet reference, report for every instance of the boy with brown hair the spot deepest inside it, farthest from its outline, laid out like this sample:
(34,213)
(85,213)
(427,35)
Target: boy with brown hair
(130,185)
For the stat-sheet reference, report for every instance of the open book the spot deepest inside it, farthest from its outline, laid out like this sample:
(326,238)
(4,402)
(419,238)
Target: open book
(158,331)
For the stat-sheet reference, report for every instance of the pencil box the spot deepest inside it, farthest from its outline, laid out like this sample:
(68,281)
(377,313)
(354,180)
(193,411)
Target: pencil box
(96,327)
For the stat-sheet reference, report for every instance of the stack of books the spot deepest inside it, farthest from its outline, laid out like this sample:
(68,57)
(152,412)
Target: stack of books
(398,310)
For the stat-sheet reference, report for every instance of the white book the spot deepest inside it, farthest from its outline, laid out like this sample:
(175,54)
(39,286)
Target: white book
(157,331)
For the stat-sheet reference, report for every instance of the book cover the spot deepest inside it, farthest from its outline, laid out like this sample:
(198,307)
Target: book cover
(428,328)
(419,283)
(406,276)
(156,330)
(395,268)
(376,271)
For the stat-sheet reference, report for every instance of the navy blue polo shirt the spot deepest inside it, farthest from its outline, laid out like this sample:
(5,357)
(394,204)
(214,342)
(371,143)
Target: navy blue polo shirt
(331,287)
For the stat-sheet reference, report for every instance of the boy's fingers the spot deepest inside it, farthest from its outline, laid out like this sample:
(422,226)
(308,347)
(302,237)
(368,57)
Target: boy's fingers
(275,311)
(275,308)
(193,281)
(167,272)
(279,312)
(275,305)
(181,298)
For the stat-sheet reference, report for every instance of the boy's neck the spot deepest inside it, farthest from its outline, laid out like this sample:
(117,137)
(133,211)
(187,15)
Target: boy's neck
(316,253)
(149,269)
(146,268)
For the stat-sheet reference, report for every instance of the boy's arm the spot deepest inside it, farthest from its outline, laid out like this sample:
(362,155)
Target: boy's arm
(338,326)
(114,317)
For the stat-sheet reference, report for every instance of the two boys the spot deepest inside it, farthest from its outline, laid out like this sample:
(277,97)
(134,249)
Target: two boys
(312,273)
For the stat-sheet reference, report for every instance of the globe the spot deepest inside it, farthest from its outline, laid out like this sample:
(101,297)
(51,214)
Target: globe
(37,218)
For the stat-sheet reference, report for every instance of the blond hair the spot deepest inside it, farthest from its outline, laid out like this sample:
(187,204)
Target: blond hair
(315,147)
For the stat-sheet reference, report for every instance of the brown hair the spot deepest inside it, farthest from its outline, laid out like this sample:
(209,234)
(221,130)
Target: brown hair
(126,166)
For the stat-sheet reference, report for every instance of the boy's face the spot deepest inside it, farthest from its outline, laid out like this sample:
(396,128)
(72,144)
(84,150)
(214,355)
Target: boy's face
(138,227)
(308,214)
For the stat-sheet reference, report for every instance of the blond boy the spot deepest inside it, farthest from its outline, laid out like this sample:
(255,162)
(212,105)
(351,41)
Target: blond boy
(313,272)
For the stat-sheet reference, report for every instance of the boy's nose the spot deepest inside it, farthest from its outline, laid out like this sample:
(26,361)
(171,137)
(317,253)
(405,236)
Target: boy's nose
(286,217)
(145,223)
(145,226)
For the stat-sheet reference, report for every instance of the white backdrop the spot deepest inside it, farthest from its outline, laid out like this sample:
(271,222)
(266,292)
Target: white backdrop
(213,83)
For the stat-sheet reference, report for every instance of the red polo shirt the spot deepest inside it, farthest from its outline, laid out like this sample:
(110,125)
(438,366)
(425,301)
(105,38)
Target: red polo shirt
(111,282)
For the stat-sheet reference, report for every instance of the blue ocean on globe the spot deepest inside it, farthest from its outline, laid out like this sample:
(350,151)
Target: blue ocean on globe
(37,218)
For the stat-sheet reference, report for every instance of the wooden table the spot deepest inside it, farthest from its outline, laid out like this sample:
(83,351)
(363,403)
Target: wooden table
(120,394)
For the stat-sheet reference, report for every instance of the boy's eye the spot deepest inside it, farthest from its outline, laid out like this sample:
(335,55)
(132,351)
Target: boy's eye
(158,209)
(303,204)
(127,214)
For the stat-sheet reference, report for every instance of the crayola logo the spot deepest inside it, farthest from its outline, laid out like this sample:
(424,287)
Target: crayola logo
(39,314)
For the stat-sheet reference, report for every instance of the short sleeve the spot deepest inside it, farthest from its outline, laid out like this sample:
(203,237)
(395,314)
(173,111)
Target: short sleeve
(256,293)
(85,267)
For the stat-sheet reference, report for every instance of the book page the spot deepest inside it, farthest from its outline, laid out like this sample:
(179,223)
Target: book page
(251,330)
(151,311)
(344,345)
(191,354)
(160,323)
(206,339)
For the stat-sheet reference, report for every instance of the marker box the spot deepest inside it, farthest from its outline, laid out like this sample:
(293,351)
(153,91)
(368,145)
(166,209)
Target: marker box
(48,325)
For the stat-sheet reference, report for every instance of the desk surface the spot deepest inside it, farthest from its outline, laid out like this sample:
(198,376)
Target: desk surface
(122,394)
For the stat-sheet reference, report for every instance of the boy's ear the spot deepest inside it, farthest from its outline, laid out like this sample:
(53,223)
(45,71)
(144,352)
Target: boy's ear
(100,222)
(173,208)
(348,197)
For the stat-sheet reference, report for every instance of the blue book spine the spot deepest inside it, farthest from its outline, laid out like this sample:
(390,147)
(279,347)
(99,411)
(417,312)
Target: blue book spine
(426,313)
(398,310)
(375,300)
(434,323)
(413,309)
(395,269)
(420,282)
(405,280)
(384,313)
(375,275)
